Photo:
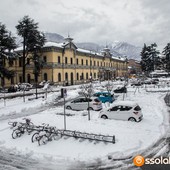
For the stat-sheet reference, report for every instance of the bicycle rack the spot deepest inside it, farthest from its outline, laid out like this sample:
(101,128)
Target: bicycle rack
(69,133)
(88,136)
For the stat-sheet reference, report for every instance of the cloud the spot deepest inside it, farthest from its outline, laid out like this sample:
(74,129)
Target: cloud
(98,21)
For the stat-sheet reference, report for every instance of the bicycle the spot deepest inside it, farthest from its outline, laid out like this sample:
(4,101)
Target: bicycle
(21,128)
(45,135)
(36,135)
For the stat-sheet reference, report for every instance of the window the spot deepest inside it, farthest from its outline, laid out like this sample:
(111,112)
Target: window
(59,77)
(28,78)
(94,63)
(76,101)
(20,79)
(86,62)
(28,61)
(45,77)
(81,61)
(59,60)
(96,95)
(98,63)
(82,76)
(94,75)
(115,108)
(66,76)
(66,60)
(87,76)
(71,61)
(20,62)
(87,100)
(77,76)
(137,108)
(77,61)
(96,100)
(12,80)
(125,108)
(90,63)
(45,59)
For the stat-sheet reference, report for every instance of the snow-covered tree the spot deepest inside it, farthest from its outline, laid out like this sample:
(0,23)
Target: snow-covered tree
(7,45)
(33,40)
(149,58)
(166,52)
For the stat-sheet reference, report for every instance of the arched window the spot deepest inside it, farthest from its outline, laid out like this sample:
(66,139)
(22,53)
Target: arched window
(87,76)
(59,61)
(66,76)
(77,76)
(71,61)
(28,61)
(77,61)
(86,62)
(94,75)
(45,59)
(45,77)
(81,61)
(66,60)
(82,76)
(59,77)
(12,80)
(28,78)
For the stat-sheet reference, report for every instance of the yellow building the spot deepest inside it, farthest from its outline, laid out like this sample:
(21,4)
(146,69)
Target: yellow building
(65,63)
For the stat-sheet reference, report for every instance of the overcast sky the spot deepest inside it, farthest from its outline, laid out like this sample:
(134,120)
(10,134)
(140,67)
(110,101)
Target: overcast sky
(99,21)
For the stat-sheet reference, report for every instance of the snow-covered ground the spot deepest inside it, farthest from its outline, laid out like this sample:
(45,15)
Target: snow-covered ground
(131,138)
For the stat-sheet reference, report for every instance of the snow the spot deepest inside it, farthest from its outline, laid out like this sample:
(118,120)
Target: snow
(131,137)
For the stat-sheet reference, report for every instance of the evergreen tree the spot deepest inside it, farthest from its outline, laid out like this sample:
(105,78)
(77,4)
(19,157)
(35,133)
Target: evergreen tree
(33,39)
(166,52)
(149,58)
(143,58)
(7,44)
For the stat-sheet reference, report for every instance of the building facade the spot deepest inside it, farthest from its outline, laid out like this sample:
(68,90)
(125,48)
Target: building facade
(66,64)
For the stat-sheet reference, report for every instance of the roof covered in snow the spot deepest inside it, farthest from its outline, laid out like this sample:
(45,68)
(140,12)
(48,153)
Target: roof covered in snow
(62,45)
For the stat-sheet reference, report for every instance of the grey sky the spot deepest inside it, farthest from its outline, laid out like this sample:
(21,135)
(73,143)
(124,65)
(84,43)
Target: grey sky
(100,21)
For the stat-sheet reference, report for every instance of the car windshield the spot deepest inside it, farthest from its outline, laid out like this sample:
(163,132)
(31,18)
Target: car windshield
(137,108)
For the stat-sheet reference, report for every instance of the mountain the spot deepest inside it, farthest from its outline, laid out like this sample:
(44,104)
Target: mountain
(126,49)
(54,37)
(116,48)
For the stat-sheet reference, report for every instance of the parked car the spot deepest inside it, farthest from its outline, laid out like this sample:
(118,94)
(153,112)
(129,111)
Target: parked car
(25,86)
(123,110)
(104,96)
(81,103)
(12,89)
(121,90)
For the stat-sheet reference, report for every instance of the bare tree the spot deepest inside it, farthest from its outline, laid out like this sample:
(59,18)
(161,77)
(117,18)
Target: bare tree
(87,91)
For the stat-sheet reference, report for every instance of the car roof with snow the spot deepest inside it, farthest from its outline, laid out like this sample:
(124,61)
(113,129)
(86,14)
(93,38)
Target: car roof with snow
(125,103)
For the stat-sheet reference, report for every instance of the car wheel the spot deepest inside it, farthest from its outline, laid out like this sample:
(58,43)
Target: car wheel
(68,107)
(104,117)
(132,119)
(90,108)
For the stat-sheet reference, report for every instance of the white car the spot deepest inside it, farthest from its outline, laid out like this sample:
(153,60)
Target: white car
(123,110)
(81,103)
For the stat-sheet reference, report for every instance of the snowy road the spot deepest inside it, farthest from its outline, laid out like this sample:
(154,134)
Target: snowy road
(9,160)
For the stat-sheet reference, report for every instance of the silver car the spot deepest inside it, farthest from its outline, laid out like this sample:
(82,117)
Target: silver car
(81,103)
